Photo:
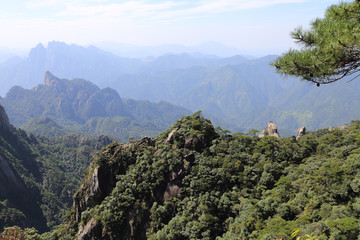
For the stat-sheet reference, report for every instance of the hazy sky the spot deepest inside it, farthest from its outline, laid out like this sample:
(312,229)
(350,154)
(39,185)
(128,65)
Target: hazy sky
(256,26)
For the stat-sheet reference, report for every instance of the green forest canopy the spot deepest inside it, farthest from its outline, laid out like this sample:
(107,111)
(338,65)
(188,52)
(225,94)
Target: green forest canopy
(231,186)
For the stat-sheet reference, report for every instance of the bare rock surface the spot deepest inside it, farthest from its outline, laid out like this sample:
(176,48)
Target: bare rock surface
(342,127)
(301,132)
(270,130)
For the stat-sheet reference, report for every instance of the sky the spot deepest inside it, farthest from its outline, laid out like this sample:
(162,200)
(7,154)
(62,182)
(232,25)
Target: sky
(259,27)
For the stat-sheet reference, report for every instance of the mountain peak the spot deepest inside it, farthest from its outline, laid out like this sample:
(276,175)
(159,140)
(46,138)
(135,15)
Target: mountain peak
(38,53)
(54,82)
(50,79)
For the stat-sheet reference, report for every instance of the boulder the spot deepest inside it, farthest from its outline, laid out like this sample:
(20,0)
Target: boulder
(91,230)
(170,138)
(270,130)
(301,132)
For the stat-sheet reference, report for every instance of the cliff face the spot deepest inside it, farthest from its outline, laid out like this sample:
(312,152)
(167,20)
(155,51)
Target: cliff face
(11,183)
(4,121)
(9,179)
(16,164)
(99,185)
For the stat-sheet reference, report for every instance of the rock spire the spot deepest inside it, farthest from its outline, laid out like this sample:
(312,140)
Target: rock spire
(270,130)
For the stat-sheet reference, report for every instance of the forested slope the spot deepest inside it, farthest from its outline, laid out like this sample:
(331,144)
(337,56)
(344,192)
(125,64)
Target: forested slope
(197,182)
(39,175)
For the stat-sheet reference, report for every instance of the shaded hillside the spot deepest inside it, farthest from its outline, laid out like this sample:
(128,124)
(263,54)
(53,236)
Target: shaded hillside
(195,182)
(80,106)
(39,175)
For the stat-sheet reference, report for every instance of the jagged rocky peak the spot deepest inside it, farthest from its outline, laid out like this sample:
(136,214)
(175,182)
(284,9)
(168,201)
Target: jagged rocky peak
(301,132)
(270,130)
(4,120)
(38,53)
(54,82)
(50,79)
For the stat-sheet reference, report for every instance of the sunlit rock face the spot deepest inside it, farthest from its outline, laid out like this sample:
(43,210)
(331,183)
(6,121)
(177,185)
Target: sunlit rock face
(270,130)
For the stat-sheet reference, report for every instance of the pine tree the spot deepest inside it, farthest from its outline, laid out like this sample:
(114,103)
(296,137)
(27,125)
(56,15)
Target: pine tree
(330,49)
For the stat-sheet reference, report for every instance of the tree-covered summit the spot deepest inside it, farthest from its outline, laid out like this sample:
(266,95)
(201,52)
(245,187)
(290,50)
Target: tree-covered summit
(231,186)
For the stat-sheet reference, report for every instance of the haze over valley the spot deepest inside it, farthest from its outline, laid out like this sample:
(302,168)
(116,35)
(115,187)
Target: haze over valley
(239,93)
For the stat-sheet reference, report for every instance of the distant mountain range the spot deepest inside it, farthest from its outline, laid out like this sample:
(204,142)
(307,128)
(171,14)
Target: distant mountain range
(247,94)
(235,92)
(68,61)
(62,106)
(210,48)
(91,63)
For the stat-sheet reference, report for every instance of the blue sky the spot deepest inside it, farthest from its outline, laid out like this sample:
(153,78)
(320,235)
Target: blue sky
(258,27)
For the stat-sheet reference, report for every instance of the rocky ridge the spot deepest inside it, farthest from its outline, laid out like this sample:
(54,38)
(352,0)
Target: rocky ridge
(115,161)
(80,106)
